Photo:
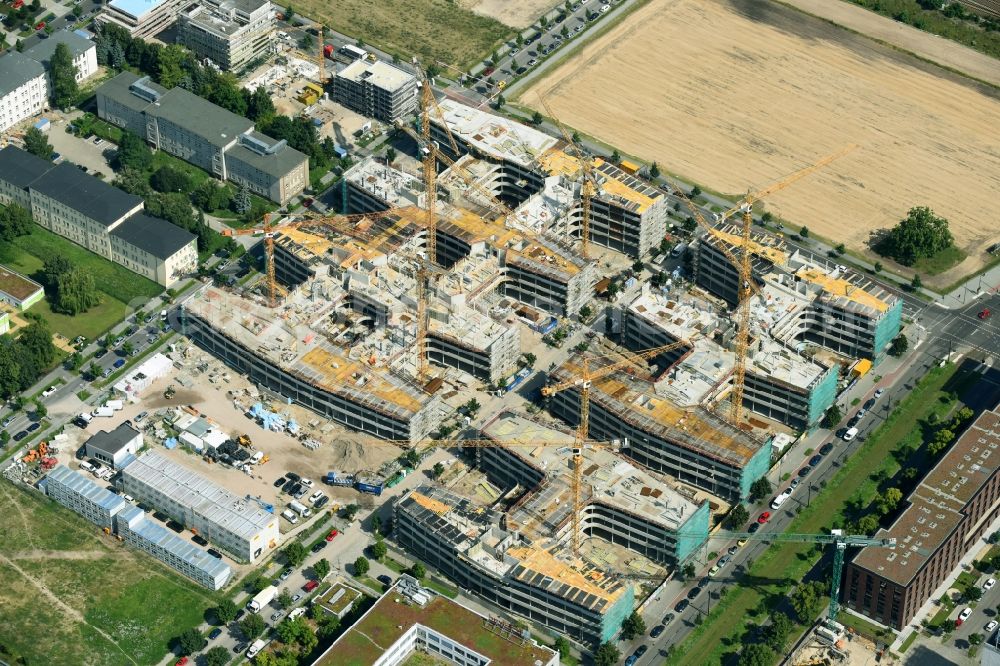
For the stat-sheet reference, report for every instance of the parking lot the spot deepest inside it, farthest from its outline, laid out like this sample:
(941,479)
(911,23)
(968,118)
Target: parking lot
(93,153)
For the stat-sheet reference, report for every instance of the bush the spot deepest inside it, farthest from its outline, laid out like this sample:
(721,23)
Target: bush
(921,234)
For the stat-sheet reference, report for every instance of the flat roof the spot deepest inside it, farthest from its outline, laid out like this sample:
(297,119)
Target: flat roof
(195,492)
(615,185)
(160,238)
(379,73)
(394,614)
(939,504)
(86,194)
(182,549)
(20,168)
(271,156)
(86,488)
(338,597)
(114,441)
(838,285)
(393,186)
(771,359)
(16,285)
(495,135)
(125,89)
(682,316)
(16,69)
(137,9)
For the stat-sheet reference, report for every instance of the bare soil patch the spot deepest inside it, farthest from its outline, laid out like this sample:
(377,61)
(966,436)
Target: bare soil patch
(519,14)
(737,93)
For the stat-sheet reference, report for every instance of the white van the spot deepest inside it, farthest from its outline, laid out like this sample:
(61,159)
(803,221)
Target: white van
(850,434)
(257,457)
(290,516)
(300,509)
(86,466)
(780,499)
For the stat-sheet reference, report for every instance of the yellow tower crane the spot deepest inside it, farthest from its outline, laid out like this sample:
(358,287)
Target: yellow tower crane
(583,381)
(744,266)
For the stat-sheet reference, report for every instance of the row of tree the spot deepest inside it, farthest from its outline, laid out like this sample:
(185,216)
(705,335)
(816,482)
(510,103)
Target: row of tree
(24,360)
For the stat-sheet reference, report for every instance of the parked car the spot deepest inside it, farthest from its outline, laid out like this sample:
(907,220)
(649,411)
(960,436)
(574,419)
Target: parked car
(815,460)
(32,427)
(49,391)
(215,633)
(310,585)
(656,631)
(714,570)
(733,550)
(332,535)
(275,615)
(214,553)
(850,434)
(285,574)
(693,592)
(280,481)
(964,615)
(293,476)
(990,626)
(869,403)
(384,579)
(988,585)
(668,618)
(878,393)
(200,540)
(804,472)
(682,605)
(753,528)
(319,546)
(826,448)
(641,650)
(763,518)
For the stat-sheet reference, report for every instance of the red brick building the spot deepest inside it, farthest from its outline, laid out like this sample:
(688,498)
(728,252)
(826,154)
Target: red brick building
(950,509)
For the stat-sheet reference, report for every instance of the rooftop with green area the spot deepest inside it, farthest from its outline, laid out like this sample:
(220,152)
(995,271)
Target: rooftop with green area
(394,615)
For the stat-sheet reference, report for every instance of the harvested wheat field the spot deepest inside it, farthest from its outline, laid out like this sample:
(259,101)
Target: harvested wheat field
(737,93)
(519,14)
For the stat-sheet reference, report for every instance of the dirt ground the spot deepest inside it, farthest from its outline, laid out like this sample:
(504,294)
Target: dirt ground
(747,92)
(519,14)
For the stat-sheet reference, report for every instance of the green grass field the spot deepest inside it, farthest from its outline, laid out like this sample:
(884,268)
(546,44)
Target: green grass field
(785,564)
(106,604)
(434,30)
(940,262)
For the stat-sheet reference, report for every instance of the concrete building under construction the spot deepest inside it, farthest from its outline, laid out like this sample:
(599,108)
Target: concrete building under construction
(690,444)
(514,551)
(829,306)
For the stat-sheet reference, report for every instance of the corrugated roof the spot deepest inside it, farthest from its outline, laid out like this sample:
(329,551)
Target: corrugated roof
(182,549)
(87,489)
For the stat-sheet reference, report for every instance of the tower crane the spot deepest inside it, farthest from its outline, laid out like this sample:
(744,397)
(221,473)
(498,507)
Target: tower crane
(744,267)
(583,381)
(587,189)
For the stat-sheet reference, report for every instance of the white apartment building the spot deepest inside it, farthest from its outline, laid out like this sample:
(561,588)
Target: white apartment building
(23,89)
(142,18)
(230,33)
(232,523)
(82,50)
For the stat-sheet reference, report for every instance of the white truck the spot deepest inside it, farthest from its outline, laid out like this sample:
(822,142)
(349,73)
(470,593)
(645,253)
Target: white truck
(262,599)
(300,509)
(115,404)
(256,647)
(104,411)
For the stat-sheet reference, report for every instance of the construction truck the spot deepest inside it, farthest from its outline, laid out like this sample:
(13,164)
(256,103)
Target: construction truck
(169,393)
(244,440)
(262,599)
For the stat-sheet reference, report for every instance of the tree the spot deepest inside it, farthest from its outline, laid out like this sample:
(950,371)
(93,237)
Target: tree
(285,598)
(376,524)
(544,22)
(379,549)
(654,170)
(418,571)
(62,74)
(695,191)
(361,566)
(501,100)
(75,292)
(170,64)
(921,234)
(217,656)
(127,348)
(437,470)
(563,646)
(868,524)
(738,516)
(807,599)
(226,611)
(252,626)
(877,267)
(606,655)
(189,642)
(637,266)
(4,437)
(94,370)
(326,625)
(888,500)
(756,654)
(134,153)
(616,157)
(776,634)
(289,14)
(832,417)
(690,224)
(40,411)
(530,359)
(350,511)
(260,107)
(586,310)
(536,118)
(973,593)
(899,346)
(14,221)
(295,554)
(242,201)
(322,569)
(169,179)
(689,570)
(760,489)
(633,626)
(804,232)
(841,248)
(976,639)
(36,143)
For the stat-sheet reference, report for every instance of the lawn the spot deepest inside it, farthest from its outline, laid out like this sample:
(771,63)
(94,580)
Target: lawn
(774,573)
(433,30)
(115,605)
(940,262)
(92,324)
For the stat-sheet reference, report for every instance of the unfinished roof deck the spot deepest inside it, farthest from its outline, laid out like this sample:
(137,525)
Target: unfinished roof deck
(630,395)
(286,338)
(615,185)
(683,317)
(608,477)
(396,188)
(775,361)
(494,135)
(937,506)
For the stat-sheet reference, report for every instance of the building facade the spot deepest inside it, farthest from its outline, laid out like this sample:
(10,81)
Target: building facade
(233,523)
(84,497)
(945,516)
(376,89)
(24,90)
(201,133)
(82,50)
(230,33)
(142,18)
